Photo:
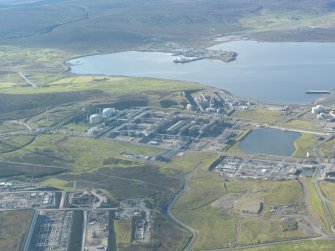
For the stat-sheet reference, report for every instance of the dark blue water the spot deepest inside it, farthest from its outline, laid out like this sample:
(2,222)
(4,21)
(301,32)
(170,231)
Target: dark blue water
(270,142)
(9,3)
(276,72)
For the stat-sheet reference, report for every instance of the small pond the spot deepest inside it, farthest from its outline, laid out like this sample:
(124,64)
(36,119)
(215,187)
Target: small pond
(270,142)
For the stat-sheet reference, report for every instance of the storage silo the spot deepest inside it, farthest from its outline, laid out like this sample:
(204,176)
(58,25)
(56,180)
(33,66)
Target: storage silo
(108,112)
(95,119)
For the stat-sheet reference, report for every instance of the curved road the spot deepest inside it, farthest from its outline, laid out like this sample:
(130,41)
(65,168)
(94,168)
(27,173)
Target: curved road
(181,192)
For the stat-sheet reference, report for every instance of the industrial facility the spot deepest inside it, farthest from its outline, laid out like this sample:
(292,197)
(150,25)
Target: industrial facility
(52,231)
(244,168)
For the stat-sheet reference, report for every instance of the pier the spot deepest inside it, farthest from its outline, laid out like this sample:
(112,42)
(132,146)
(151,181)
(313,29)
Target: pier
(317,92)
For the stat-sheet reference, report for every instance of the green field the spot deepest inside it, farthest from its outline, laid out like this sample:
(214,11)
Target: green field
(57,183)
(79,153)
(194,208)
(328,188)
(13,143)
(327,149)
(190,160)
(216,209)
(114,86)
(84,153)
(314,205)
(123,230)
(307,124)
(214,230)
(304,144)
(287,20)
(50,117)
(260,115)
(255,230)
(11,127)
(48,101)
(15,59)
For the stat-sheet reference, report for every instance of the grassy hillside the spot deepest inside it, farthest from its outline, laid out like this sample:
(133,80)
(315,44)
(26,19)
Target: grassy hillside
(222,211)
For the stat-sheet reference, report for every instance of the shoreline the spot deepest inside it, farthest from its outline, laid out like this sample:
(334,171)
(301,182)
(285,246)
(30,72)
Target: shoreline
(69,64)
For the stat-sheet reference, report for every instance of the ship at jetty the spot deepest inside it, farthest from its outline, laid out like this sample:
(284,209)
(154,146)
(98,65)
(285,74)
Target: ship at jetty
(317,92)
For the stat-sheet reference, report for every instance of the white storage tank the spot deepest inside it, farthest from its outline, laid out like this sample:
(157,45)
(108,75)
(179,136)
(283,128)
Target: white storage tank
(95,119)
(317,109)
(108,112)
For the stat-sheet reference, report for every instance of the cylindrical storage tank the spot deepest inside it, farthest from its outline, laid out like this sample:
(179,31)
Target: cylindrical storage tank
(42,213)
(108,112)
(95,119)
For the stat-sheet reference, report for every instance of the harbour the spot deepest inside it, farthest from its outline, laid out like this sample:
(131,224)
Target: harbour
(262,71)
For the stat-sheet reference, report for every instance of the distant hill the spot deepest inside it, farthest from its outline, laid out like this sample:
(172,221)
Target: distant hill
(17,2)
(86,25)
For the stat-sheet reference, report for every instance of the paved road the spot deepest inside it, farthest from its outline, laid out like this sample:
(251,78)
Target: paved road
(84,231)
(27,80)
(30,232)
(318,189)
(299,130)
(62,209)
(26,125)
(280,126)
(62,201)
(264,244)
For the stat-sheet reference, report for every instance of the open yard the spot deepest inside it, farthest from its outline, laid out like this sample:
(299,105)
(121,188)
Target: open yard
(14,226)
